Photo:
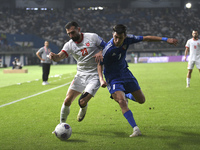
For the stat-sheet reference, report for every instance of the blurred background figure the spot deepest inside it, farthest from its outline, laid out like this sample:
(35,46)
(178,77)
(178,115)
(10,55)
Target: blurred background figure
(43,55)
(16,64)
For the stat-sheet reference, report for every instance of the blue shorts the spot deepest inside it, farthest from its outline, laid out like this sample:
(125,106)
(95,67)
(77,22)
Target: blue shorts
(124,81)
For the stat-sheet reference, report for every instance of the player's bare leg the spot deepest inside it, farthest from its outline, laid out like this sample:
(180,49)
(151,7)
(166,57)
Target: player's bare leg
(83,103)
(139,96)
(189,74)
(119,97)
(65,109)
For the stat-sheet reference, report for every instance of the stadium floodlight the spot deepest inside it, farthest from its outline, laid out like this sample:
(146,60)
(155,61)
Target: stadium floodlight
(100,8)
(188,5)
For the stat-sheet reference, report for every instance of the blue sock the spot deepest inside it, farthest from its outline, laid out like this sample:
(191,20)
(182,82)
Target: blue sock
(129,116)
(130,96)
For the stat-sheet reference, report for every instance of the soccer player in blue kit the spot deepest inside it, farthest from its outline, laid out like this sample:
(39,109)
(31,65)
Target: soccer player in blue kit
(119,80)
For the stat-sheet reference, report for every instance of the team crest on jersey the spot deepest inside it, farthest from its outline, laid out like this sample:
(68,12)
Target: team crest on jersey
(88,44)
(124,47)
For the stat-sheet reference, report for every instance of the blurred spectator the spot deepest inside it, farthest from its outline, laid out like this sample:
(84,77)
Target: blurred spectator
(171,22)
(17,64)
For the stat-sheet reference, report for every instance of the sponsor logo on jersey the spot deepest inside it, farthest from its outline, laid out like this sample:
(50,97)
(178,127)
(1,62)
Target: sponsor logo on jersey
(88,44)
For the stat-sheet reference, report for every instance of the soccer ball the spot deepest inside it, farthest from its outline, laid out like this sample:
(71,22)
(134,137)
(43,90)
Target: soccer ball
(63,131)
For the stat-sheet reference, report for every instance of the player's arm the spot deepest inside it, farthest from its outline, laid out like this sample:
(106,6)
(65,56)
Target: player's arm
(57,57)
(98,56)
(101,79)
(157,38)
(186,52)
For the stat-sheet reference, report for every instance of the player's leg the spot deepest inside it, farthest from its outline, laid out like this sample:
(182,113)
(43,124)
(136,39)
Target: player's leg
(83,103)
(119,97)
(189,74)
(74,90)
(130,96)
(65,109)
(198,65)
(139,96)
(92,85)
(131,85)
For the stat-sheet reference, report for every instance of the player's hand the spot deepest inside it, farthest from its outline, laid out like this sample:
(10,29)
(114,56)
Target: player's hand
(98,57)
(172,41)
(103,84)
(52,56)
(185,58)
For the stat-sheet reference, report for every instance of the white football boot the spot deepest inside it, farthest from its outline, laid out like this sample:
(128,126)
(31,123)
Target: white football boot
(82,113)
(188,86)
(136,132)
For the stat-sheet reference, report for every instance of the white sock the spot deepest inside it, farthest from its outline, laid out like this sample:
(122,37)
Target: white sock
(64,112)
(188,81)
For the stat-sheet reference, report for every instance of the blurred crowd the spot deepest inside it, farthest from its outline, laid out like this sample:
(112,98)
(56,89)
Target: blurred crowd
(49,24)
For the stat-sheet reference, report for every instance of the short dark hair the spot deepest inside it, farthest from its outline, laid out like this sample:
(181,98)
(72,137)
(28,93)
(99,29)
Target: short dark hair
(70,24)
(119,29)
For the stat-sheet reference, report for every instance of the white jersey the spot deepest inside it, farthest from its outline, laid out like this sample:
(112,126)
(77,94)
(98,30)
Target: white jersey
(194,48)
(84,51)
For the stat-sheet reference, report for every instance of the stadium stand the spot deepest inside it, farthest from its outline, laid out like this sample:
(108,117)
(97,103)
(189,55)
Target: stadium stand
(49,25)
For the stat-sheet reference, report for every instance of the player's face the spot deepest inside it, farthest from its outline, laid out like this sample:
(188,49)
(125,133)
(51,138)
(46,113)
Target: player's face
(46,43)
(195,34)
(74,33)
(118,39)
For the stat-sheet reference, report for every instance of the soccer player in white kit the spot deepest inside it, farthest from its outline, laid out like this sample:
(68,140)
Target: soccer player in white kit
(83,47)
(192,45)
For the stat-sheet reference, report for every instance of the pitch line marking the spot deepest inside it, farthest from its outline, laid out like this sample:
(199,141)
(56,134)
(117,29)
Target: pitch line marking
(34,95)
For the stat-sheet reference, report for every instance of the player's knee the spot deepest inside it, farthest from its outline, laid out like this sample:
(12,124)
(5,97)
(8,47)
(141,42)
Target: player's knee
(141,100)
(122,103)
(67,102)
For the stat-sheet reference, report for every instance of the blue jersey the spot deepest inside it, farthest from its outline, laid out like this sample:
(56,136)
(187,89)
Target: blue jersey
(115,57)
(117,74)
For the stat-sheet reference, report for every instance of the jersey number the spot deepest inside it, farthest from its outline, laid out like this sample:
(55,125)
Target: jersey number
(84,52)
(195,47)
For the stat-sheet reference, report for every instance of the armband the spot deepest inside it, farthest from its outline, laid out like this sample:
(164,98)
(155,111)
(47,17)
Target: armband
(164,38)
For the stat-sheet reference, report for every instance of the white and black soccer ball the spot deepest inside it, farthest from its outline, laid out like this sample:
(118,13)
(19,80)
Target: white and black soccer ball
(63,131)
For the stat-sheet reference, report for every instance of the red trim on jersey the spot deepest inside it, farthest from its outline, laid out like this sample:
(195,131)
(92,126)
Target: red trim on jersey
(65,53)
(81,39)
(195,39)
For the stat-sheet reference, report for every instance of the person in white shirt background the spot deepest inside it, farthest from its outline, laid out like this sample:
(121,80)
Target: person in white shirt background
(43,55)
(193,48)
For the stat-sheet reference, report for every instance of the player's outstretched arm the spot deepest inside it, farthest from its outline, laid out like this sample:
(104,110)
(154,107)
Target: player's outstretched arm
(102,81)
(57,57)
(157,38)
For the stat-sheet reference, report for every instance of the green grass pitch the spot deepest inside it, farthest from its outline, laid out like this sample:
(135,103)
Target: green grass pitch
(168,120)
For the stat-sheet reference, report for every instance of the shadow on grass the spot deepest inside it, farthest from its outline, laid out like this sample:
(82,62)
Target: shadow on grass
(106,133)
(75,141)
(177,139)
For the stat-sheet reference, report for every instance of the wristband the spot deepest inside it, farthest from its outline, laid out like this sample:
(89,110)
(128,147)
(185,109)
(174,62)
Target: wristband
(164,38)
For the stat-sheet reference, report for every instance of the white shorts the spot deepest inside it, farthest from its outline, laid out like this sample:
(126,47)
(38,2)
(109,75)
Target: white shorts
(88,83)
(192,63)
